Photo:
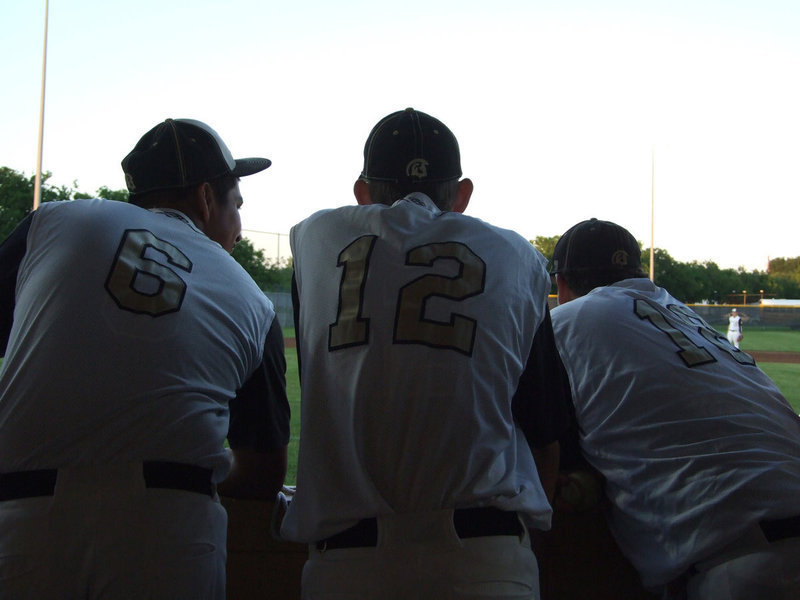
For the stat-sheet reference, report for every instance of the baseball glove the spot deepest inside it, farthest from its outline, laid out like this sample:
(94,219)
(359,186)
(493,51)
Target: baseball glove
(740,337)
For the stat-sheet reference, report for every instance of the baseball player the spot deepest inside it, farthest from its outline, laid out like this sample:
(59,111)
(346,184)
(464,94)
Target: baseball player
(430,384)
(699,450)
(134,345)
(734,328)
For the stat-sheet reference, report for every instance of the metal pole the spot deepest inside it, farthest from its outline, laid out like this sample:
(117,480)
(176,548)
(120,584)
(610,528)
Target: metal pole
(37,188)
(652,211)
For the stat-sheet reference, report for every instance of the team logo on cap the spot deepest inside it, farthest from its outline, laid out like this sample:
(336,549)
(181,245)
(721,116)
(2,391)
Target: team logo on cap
(619,258)
(417,168)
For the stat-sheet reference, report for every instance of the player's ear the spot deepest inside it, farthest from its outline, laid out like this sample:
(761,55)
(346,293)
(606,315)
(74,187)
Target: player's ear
(463,194)
(361,192)
(204,201)
(198,204)
(565,293)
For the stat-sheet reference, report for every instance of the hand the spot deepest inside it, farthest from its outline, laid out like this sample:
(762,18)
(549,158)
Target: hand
(578,491)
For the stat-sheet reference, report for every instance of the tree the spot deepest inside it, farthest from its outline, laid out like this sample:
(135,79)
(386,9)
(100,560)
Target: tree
(279,275)
(106,193)
(16,202)
(16,196)
(268,275)
(16,199)
(252,260)
(689,282)
(546,245)
(788,268)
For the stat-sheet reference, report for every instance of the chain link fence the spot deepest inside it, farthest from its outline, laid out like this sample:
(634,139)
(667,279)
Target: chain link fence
(753,315)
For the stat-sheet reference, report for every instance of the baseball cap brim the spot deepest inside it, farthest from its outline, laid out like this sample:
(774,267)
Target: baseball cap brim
(178,153)
(248,166)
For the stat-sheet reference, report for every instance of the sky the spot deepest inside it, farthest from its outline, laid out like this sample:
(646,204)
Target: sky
(683,114)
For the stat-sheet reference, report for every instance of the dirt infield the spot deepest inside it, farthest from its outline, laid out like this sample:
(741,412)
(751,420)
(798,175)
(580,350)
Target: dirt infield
(776,357)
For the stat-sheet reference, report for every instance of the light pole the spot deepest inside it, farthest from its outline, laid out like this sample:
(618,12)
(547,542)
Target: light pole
(652,210)
(37,187)
(745,296)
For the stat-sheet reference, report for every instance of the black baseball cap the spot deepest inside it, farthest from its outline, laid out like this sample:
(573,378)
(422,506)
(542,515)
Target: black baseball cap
(182,152)
(409,147)
(595,245)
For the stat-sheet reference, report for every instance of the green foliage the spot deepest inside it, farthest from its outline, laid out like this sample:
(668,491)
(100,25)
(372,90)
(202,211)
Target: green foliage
(280,275)
(785,268)
(16,202)
(706,282)
(686,282)
(546,245)
(16,196)
(106,193)
(690,282)
(781,287)
(16,199)
(268,275)
(252,260)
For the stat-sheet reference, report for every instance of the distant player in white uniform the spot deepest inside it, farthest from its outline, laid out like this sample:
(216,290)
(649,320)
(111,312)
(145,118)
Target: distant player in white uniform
(134,345)
(699,450)
(430,384)
(734,327)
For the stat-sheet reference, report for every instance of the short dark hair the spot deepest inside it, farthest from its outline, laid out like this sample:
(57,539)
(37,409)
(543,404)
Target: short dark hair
(164,197)
(223,185)
(443,193)
(584,281)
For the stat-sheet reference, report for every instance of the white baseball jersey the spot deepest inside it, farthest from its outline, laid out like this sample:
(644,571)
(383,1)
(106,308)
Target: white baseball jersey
(734,329)
(413,332)
(132,331)
(695,441)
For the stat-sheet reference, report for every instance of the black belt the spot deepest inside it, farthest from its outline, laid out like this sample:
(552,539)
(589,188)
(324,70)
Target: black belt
(468,523)
(157,474)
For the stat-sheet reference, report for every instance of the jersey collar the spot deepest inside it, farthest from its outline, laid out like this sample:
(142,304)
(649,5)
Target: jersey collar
(422,200)
(175,214)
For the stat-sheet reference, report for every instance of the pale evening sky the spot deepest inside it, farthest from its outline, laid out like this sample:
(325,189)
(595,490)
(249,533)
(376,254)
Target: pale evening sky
(558,106)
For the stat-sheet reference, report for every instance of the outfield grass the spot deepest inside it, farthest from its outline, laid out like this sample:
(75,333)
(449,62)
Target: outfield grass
(293,391)
(769,340)
(787,378)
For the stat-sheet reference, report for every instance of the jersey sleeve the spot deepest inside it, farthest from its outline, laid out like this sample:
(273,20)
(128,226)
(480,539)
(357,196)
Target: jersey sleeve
(542,402)
(12,250)
(260,411)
